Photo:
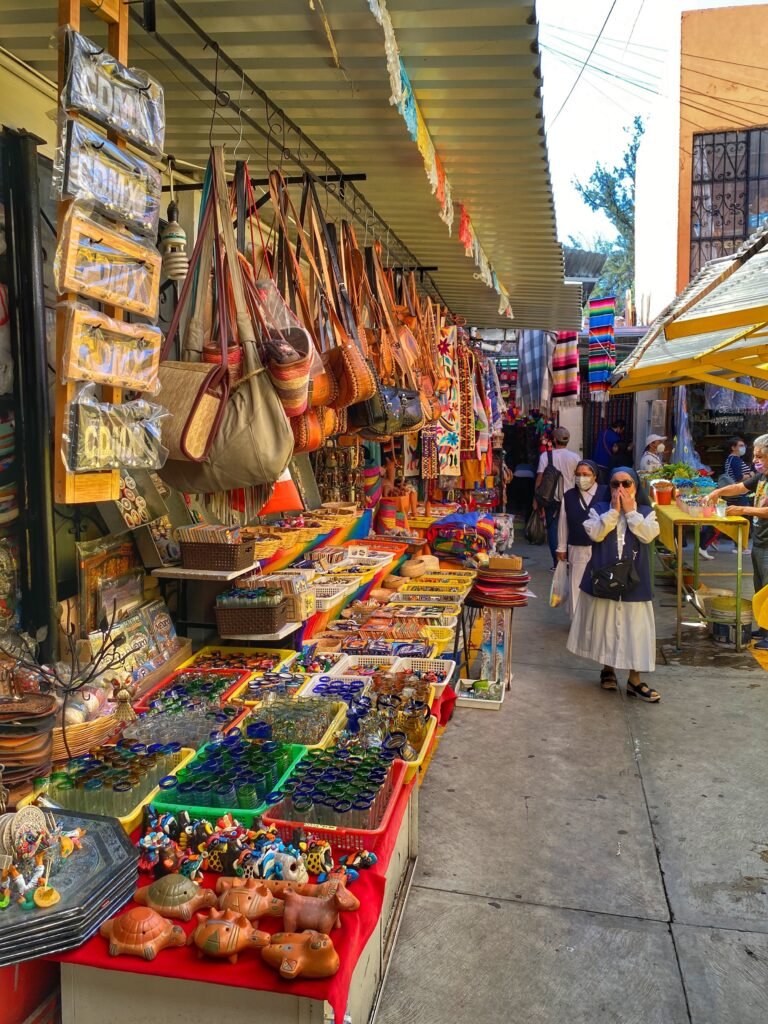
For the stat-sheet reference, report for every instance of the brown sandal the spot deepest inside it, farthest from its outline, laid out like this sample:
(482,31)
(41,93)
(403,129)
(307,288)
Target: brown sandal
(608,679)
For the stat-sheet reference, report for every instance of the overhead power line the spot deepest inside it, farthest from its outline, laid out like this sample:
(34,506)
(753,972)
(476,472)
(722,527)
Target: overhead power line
(583,67)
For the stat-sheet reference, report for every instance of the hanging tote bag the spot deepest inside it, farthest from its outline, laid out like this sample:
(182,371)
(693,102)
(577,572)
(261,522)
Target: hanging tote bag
(286,347)
(253,443)
(344,355)
(322,389)
(194,392)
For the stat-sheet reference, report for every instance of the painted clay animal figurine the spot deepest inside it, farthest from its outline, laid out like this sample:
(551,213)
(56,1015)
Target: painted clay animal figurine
(141,932)
(248,897)
(320,914)
(329,888)
(175,896)
(223,934)
(301,955)
(318,857)
(222,854)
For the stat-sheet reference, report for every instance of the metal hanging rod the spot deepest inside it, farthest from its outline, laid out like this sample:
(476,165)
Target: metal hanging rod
(345,194)
(323,179)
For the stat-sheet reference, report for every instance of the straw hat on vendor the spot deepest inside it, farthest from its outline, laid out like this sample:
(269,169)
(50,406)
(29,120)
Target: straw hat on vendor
(652,459)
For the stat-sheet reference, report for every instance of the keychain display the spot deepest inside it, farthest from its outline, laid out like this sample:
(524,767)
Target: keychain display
(107,265)
(104,436)
(119,184)
(106,351)
(339,473)
(120,99)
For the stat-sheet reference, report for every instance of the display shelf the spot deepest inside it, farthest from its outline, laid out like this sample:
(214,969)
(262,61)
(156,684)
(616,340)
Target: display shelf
(286,630)
(178,572)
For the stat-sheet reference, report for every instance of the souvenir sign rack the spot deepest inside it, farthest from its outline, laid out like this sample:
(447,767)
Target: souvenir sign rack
(78,488)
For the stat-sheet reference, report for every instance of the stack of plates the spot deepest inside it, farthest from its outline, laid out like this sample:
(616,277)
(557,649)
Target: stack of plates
(500,588)
(25,741)
(94,883)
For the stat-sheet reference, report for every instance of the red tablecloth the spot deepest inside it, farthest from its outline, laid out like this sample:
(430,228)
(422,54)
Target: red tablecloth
(250,971)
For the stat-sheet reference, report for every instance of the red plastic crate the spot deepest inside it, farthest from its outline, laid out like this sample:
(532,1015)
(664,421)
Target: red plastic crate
(345,840)
(238,677)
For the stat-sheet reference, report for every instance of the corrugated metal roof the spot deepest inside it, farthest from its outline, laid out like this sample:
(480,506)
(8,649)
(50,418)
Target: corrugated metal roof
(692,340)
(475,72)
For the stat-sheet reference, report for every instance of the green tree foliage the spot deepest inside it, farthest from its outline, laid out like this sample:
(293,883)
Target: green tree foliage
(612,192)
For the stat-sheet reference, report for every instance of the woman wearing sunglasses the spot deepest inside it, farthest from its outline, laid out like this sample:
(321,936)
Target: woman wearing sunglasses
(614,624)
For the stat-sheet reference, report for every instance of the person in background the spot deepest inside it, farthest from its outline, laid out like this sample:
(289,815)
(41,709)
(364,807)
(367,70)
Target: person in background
(565,461)
(755,483)
(607,446)
(735,471)
(619,634)
(652,459)
(573,544)
(735,466)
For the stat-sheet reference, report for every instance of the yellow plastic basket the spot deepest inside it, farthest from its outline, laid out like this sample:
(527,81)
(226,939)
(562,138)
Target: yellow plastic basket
(330,734)
(414,768)
(440,637)
(285,656)
(132,821)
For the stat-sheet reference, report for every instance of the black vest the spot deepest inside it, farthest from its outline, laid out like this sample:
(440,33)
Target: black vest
(607,552)
(576,514)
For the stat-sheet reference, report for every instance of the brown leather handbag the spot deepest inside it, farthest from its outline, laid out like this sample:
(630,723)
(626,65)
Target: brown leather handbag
(343,351)
(322,385)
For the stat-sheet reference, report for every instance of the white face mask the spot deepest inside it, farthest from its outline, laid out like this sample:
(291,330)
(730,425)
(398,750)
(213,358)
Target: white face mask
(660,448)
(741,450)
(584,482)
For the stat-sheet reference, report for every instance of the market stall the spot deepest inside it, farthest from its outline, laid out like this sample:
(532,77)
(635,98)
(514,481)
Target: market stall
(291,498)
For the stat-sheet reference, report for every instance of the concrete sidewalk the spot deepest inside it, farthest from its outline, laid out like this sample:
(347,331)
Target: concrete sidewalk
(585,858)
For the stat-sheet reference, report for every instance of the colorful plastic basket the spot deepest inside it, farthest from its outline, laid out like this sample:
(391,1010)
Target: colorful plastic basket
(344,840)
(246,816)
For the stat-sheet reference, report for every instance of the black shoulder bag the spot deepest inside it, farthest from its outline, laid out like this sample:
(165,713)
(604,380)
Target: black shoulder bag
(616,580)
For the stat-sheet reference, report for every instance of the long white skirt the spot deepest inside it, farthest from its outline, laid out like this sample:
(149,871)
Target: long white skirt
(578,557)
(621,634)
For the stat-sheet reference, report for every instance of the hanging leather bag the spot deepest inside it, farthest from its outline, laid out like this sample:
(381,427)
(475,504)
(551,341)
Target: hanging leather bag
(322,390)
(194,392)
(253,443)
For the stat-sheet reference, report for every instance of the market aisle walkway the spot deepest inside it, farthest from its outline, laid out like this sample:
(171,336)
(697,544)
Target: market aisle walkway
(585,859)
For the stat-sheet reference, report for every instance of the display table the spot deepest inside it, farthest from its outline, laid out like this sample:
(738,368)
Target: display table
(672,522)
(179,988)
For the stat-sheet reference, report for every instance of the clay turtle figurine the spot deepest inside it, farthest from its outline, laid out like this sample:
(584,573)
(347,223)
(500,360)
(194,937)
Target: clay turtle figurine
(141,932)
(175,896)
(223,934)
(302,954)
(249,897)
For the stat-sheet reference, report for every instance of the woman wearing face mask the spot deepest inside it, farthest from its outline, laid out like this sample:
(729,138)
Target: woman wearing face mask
(652,459)
(619,632)
(573,543)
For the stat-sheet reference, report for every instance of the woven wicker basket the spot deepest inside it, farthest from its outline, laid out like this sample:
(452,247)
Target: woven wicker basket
(251,621)
(217,557)
(82,738)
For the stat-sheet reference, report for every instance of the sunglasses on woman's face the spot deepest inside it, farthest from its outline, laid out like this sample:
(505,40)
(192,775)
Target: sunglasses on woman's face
(616,484)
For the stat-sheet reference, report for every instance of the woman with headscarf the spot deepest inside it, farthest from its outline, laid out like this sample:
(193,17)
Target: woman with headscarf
(573,543)
(614,624)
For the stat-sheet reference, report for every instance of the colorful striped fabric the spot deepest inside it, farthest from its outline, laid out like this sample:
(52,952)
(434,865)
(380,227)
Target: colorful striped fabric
(565,370)
(602,347)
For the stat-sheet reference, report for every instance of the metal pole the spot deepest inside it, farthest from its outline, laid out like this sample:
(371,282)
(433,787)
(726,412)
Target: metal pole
(33,420)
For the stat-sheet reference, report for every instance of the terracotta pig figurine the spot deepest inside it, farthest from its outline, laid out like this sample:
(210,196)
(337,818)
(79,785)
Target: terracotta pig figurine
(330,888)
(302,954)
(224,934)
(318,912)
(249,897)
